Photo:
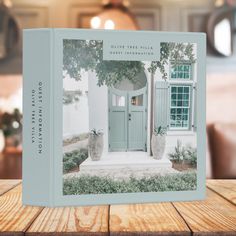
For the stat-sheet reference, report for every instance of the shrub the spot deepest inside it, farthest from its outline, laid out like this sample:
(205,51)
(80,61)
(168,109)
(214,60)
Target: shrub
(68,165)
(179,153)
(74,159)
(184,154)
(79,156)
(192,156)
(96,185)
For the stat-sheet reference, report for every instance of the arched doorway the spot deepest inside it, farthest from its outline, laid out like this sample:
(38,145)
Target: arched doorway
(128,115)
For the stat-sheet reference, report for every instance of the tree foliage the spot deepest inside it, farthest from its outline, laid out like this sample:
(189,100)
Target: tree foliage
(88,55)
(175,52)
(80,54)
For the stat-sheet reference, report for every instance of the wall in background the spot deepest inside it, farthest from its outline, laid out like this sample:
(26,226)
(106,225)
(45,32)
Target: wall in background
(176,15)
(165,15)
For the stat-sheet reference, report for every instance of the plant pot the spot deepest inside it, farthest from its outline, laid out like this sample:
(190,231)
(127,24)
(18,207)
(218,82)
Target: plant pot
(158,145)
(95,146)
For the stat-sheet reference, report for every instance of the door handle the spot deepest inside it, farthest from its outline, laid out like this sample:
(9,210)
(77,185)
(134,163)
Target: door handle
(129,116)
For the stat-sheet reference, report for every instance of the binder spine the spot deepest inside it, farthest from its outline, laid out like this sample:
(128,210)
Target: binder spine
(37,117)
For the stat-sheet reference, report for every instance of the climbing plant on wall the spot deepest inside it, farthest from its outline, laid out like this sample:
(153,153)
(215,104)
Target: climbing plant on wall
(176,52)
(87,55)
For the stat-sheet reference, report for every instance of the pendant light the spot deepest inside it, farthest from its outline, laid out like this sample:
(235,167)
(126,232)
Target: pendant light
(115,15)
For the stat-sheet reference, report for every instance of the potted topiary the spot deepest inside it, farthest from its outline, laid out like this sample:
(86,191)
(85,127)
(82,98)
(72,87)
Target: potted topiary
(158,142)
(95,144)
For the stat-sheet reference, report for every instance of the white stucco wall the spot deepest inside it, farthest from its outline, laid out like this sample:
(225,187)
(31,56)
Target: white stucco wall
(98,107)
(76,115)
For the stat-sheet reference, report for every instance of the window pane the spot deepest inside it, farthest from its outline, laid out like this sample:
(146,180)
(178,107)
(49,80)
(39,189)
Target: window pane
(185,110)
(179,110)
(186,89)
(180,89)
(179,103)
(118,101)
(180,96)
(137,100)
(180,71)
(185,96)
(172,117)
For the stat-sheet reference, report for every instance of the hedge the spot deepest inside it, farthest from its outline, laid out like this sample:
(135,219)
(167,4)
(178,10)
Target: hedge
(86,184)
(73,159)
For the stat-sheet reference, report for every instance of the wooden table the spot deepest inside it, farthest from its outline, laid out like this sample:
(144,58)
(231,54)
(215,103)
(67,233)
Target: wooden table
(214,216)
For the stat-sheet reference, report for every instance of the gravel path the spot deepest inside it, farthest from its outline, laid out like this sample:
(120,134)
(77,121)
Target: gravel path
(125,173)
(75,146)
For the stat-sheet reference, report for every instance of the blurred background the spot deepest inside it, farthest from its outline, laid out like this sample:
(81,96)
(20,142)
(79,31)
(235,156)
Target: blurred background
(217,18)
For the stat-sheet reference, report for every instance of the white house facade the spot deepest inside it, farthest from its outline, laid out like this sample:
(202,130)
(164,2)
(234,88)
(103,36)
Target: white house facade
(124,113)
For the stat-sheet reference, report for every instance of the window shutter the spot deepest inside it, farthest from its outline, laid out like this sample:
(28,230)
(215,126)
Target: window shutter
(195,108)
(162,106)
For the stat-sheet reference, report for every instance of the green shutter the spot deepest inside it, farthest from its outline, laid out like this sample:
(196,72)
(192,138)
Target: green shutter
(162,106)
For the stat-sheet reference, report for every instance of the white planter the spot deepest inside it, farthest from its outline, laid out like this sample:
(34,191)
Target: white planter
(95,146)
(158,145)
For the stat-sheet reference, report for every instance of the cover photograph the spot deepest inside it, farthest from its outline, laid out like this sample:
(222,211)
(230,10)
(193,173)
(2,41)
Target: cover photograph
(113,117)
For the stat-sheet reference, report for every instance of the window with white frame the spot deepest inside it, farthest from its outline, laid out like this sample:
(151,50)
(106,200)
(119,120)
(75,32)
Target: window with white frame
(181,71)
(180,100)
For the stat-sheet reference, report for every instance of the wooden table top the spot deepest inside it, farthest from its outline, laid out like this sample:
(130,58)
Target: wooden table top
(214,216)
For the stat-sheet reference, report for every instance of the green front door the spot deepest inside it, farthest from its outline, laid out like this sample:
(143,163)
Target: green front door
(127,120)
(118,122)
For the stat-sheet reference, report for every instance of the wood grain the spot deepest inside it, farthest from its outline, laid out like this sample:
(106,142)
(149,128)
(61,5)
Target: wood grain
(91,220)
(15,218)
(226,188)
(7,184)
(146,219)
(213,216)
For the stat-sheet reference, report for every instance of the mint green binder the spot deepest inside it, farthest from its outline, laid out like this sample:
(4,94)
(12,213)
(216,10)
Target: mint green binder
(125,112)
